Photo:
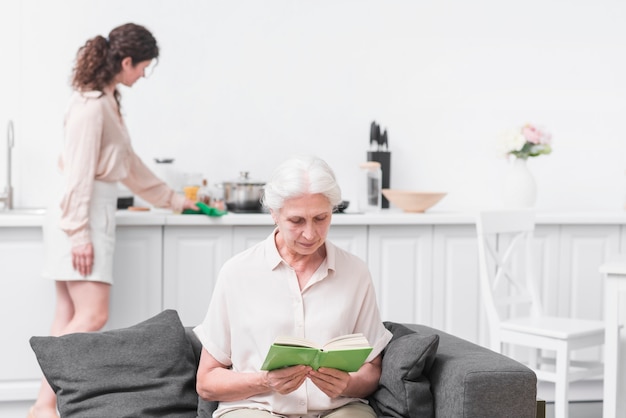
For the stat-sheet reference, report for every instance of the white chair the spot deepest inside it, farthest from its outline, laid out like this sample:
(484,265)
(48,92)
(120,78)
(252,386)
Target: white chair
(514,310)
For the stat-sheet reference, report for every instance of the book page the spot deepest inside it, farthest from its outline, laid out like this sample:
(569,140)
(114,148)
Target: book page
(347,342)
(294,341)
(357,340)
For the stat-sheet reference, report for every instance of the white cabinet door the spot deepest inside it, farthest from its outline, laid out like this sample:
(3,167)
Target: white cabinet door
(137,292)
(584,248)
(400,260)
(245,237)
(26,309)
(456,305)
(192,258)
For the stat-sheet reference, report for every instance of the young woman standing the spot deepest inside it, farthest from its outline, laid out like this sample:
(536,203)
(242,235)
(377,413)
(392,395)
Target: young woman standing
(79,232)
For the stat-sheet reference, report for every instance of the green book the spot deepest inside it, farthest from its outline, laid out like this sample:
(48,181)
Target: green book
(347,353)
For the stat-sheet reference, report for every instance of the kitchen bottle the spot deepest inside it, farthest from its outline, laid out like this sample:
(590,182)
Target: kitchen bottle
(204,193)
(369,187)
(217,196)
(192,185)
(379,151)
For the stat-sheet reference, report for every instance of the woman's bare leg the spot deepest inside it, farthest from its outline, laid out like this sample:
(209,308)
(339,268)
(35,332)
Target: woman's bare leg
(81,306)
(91,306)
(63,309)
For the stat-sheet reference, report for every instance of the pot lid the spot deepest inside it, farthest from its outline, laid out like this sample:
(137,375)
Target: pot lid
(244,178)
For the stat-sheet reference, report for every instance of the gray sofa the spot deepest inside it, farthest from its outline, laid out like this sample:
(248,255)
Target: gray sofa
(466,380)
(149,370)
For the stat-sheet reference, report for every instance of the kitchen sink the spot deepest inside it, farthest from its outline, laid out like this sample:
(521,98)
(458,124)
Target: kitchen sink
(23,211)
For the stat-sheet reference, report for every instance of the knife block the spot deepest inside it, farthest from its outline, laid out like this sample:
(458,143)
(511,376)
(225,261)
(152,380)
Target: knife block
(384,158)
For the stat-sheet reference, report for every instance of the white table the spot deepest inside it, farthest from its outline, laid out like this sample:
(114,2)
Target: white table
(614,404)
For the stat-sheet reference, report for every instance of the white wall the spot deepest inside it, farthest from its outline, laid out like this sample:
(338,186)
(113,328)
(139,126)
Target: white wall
(243,84)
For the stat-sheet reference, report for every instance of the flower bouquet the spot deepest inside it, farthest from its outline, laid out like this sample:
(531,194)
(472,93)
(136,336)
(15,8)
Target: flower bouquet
(524,142)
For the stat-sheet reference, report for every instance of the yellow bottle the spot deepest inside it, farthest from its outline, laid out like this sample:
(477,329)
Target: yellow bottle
(191,192)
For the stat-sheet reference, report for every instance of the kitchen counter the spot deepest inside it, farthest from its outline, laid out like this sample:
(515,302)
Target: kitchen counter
(34,217)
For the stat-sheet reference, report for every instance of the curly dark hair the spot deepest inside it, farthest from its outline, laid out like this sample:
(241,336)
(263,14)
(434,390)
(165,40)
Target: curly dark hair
(100,59)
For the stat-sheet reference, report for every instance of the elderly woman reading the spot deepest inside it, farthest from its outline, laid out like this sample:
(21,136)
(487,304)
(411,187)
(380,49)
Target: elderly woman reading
(294,283)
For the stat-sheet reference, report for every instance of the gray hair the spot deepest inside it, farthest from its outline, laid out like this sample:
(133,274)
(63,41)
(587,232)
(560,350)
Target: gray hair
(298,176)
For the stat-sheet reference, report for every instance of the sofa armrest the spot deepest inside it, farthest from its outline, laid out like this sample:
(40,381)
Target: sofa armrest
(468,380)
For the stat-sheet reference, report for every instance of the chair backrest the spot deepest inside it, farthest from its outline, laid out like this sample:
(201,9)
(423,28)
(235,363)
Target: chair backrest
(505,261)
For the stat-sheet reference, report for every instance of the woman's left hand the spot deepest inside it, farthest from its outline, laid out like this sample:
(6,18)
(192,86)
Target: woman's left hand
(332,382)
(82,259)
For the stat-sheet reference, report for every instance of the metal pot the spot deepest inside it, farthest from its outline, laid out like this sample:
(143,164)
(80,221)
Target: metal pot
(243,195)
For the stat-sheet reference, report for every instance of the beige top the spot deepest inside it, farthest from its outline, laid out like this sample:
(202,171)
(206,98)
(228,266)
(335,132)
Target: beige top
(257,298)
(97,147)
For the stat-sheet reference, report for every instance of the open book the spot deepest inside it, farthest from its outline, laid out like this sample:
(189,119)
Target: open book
(346,352)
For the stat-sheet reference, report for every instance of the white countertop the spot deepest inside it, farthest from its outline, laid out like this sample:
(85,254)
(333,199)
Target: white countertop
(161,217)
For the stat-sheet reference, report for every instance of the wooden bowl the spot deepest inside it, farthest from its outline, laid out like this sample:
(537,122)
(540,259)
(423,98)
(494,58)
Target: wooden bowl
(413,201)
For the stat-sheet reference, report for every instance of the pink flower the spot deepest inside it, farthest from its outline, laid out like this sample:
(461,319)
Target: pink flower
(527,141)
(535,135)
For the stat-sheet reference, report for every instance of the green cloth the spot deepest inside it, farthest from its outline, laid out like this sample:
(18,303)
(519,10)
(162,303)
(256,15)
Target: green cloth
(204,210)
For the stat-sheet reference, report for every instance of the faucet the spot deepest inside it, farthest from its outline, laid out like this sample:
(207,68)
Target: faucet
(7,195)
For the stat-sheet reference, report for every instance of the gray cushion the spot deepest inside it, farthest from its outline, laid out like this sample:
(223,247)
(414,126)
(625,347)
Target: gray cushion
(404,390)
(147,370)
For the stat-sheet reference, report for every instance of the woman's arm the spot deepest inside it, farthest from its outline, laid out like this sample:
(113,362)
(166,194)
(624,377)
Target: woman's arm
(81,152)
(143,182)
(216,382)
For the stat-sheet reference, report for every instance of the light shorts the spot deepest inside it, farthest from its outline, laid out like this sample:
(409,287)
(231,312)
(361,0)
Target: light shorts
(58,249)
(351,410)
